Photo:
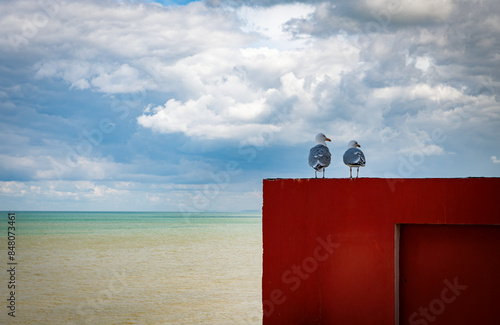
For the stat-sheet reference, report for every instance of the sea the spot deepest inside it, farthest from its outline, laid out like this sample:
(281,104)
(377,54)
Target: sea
(132,268)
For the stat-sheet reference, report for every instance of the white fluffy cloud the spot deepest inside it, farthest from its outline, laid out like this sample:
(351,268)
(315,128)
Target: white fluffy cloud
(112,47)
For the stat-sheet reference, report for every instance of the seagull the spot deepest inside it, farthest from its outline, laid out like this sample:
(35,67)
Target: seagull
(354,157)
(319,155)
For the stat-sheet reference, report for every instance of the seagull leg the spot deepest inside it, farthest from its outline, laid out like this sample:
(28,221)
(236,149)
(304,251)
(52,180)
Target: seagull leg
(323,173)
(357,174)
(350,172)
(315,175)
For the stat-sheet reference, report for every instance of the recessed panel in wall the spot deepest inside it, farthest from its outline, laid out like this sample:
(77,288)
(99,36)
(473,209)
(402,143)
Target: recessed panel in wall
(449,274)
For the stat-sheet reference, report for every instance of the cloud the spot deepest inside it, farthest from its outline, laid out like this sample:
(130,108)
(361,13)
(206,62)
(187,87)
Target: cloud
(81,42)
(222,92)
(189,88)
(84,75)
(123,196)
(223,114)
(256,3)
(199,119)
(406,11)
(495,160)
(269,23)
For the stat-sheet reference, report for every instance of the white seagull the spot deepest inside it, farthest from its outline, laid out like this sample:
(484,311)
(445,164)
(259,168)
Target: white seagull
(354,157)
(319,155)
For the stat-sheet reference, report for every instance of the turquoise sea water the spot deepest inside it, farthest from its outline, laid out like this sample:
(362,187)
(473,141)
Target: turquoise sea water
(135,268)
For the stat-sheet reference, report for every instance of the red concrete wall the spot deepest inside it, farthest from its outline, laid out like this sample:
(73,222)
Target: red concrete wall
(329,244)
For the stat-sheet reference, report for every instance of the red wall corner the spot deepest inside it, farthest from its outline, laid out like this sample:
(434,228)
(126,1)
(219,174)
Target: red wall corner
(330,248)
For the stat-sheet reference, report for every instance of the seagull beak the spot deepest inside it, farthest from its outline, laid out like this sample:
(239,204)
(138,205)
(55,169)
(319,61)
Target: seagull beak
(328,140)
(358,144)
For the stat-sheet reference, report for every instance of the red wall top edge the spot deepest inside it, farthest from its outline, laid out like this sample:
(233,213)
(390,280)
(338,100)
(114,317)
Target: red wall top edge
(401,200)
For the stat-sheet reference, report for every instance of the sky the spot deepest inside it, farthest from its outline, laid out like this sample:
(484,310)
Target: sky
(187,106)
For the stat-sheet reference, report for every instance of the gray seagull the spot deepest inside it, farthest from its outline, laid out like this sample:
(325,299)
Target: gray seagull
(354,157)
(319,155)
